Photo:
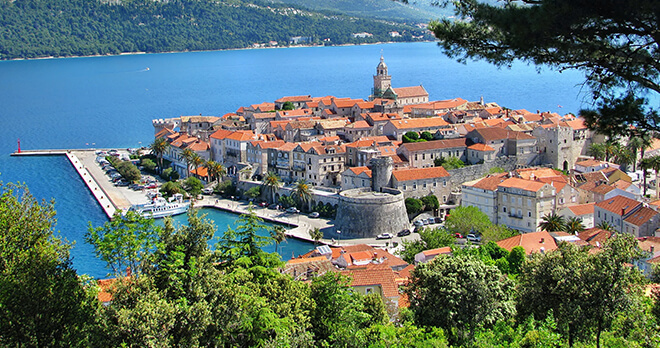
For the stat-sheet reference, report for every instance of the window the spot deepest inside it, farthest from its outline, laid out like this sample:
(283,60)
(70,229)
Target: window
(444,183)
(504,209)
(444,199)
(368,291)
(504,198)
(529,213)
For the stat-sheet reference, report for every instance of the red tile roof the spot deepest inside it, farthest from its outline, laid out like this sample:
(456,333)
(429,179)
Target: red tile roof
(617,204)
(360,170)
(595,236)
(221,134)
(419,173)
(367,277)
(412,123)
(359,125)
(490,182)
(532,242)
(407,92)
(582,209)
(481,147)
(435,144)
(527,185)
(298,98)
(641,216)
(438,251)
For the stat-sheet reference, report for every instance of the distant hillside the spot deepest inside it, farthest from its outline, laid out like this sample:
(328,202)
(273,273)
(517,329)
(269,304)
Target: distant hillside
(41,28)
(416,11)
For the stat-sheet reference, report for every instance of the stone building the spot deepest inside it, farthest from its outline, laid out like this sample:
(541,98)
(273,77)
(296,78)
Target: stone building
(523,203)
(482,193)
(420,182)
(563,143)
(397,128)
(402,95)
(424,154)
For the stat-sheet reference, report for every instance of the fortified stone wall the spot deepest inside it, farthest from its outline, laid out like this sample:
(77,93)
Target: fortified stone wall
(363,213)
(477,171)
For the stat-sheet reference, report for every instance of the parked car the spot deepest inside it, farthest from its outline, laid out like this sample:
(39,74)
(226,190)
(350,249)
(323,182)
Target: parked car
(292,210)
(263,204)
(385,236)
(403,233)
(438,220)
(458,235)
(426,221)
(314,215)
(153,186)
(473,237)
(121,182)
(418,223)
(274,206)
(207,190)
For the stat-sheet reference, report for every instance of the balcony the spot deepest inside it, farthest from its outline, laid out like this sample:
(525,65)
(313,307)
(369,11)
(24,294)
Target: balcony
(515,216)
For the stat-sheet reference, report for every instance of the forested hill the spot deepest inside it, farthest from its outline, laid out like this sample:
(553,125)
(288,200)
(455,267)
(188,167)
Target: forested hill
(42,28)
(411,11)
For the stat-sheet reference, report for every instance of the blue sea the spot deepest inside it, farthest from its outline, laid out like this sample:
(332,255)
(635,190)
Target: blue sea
(109,102)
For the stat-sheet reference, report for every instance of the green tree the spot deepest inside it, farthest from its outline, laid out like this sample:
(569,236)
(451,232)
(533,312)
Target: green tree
(574,225)
(148,165)
(604,225)
(414,206)
(43,303)
(272,183)
(125,242)
(278,233)
(302,193)
(411,137)
(288,106)
(430,202)
(449,163)
(460,295)
(584,291)
(188,155)
(496,233)
(316,234)
(516,259)
(466,220)
(597,151)
(215,170)
(621,52)
(128,171)
(193,185)
(245,241)
(158,148)
(253,192)
(552,222)
(197,161)
(639,142)
(426,136)
(170,188)
(428,239)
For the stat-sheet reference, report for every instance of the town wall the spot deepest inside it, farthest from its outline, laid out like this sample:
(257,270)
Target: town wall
(363,213)
(478,171)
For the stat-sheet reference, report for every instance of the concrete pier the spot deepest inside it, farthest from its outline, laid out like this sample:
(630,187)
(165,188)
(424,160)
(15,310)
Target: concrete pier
(101,196)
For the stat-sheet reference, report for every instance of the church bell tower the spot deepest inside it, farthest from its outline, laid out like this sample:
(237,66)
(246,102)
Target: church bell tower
(382,81)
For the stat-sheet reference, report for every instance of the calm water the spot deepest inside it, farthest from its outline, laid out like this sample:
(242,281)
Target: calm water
(110,102)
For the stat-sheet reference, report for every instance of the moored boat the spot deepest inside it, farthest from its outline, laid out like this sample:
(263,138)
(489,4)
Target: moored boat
(160,207)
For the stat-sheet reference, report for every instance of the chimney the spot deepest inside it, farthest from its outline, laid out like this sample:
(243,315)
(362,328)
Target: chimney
(652,249)
(542,240)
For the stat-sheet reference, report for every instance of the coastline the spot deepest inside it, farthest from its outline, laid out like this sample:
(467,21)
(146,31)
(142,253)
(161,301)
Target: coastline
(216,50)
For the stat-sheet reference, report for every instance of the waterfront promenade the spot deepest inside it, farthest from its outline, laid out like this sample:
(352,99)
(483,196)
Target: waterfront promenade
(112,198)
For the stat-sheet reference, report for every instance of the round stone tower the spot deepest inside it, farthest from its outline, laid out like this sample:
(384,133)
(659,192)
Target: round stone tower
(381,172)
(363,213)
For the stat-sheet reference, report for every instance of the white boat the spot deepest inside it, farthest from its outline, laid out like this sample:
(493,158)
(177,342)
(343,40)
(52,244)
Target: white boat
(160,207)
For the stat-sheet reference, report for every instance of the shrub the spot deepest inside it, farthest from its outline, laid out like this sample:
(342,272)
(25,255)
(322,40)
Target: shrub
(413,206)
(149,165)
(193,186)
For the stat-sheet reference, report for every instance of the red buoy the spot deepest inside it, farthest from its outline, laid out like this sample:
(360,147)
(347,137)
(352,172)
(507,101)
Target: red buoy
(19,145)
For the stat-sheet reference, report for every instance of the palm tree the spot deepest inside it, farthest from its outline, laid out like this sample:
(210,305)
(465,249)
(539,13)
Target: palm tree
(655,165)
(187,156)
(574,225)
(197,161)
(639,143)
(604,225)
(159,147)
(552,222)
(597,151)
(316,234)
(611,148)
(272,183)
(278,234)
(303,192)
(624,157)
(215,170)
(645,164)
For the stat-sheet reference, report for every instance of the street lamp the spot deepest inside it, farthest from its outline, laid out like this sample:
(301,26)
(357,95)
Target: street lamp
(339,234)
